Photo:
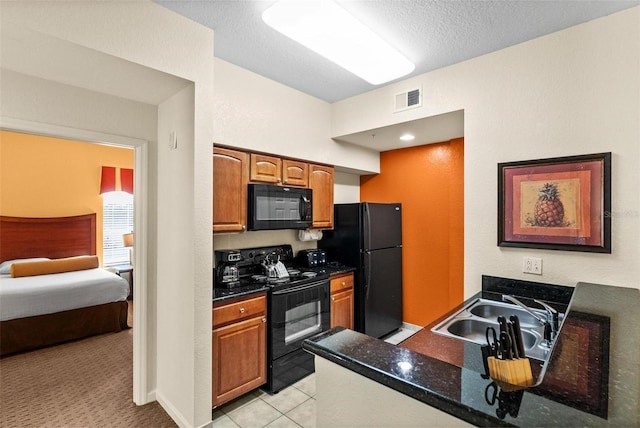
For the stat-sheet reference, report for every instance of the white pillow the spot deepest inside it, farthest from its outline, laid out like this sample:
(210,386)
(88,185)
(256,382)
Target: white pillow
(5,267)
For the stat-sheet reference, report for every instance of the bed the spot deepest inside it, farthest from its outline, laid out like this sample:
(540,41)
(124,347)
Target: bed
(47,309)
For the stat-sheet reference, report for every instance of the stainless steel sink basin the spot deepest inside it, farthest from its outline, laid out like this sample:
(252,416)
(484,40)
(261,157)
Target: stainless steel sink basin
(474,330)
(471,322)
(495,309)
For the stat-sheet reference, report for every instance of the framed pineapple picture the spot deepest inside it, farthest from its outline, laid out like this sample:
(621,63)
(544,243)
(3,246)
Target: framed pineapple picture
(556,204)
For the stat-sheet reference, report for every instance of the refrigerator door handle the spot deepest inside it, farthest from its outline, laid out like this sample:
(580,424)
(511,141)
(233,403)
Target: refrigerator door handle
(367,237)
(367,280)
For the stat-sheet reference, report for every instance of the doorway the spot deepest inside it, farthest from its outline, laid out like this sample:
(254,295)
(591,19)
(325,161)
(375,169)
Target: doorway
(140,321)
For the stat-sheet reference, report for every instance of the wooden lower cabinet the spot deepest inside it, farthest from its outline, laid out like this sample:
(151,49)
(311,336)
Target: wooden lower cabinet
(239,348)
(342,300)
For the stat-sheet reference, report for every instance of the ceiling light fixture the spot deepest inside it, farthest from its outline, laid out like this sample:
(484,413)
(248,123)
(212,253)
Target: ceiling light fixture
(332,32)
(407,137)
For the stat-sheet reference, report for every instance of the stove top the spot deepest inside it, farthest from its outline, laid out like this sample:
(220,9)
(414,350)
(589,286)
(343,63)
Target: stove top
(252,271)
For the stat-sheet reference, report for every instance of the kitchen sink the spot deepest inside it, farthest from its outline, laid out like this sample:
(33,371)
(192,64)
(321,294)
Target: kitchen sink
(495,309)
(475,330)
(471,323)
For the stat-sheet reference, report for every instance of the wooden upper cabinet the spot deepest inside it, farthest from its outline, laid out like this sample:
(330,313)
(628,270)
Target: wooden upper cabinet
(321,181)
(230,179)
(267,169)
(275,170)
(295,173)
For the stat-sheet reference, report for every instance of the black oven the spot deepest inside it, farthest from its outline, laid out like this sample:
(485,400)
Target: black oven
(278,207)
(296,312)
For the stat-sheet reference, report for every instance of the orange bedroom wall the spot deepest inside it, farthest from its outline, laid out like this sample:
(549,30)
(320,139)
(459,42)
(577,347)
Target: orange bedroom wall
(52,177)
(429,182)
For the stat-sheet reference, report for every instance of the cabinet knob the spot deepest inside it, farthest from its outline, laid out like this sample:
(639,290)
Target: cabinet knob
(279,179)
(344,283)
(244,227)
(242,310)
(333,299)
(264,319)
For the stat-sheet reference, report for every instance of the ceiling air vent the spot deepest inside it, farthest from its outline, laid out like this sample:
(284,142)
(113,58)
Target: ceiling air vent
(407,100)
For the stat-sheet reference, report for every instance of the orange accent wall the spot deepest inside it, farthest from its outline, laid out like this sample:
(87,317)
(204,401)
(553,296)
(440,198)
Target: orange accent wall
(52,177)
(429,182)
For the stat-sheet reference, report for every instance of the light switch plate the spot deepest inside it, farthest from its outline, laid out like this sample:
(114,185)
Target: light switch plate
(173,140)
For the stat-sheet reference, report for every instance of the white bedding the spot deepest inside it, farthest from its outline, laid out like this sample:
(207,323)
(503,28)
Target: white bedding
(45,294)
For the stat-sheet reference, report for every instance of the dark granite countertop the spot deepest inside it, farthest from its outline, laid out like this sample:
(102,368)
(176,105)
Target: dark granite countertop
(592,377)
(221,294)
(333,268)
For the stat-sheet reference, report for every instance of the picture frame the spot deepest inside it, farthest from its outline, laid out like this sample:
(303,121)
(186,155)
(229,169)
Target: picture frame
(559,203)
(578,372)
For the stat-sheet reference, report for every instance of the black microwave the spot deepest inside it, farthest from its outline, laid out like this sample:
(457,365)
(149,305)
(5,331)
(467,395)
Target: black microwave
(278,207)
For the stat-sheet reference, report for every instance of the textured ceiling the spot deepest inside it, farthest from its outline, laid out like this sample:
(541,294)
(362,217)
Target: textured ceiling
(431,33)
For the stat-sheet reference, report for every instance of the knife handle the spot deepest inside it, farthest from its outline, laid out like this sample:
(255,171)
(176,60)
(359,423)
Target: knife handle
(512,340)
(502,321)
(518,334)
(505,346)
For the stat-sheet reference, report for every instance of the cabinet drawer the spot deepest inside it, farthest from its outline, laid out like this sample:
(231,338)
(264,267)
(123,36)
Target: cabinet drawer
(239,310)
(341,282)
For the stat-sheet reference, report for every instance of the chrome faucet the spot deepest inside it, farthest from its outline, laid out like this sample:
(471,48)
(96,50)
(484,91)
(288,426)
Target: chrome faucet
(552,315)
(550,323)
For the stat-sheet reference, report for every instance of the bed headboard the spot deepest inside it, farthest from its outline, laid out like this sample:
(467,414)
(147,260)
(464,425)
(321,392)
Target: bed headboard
(55,237)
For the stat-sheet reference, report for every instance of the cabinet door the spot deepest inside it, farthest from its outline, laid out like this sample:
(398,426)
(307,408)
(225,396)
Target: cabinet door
(230,179)
(295,173)
(321,181)
(266,169)
(239,358)
(342,309)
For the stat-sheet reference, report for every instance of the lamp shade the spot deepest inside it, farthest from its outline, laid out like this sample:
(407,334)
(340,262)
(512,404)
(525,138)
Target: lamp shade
(127,239)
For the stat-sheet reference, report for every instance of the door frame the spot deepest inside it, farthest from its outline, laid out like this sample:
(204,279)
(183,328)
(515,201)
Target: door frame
(141,149)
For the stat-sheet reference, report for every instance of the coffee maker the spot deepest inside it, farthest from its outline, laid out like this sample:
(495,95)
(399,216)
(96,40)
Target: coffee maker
(227,273)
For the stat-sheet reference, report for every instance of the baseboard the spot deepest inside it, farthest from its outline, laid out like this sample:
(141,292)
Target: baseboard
(177,417)
(412,327)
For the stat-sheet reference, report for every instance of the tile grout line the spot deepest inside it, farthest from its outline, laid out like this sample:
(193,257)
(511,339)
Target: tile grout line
(399,337)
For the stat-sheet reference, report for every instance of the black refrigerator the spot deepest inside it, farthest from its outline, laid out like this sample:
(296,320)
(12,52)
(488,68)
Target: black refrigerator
(368,236)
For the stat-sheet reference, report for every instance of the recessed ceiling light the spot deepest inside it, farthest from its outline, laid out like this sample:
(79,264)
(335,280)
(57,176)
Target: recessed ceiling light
(407,137)
(332,32)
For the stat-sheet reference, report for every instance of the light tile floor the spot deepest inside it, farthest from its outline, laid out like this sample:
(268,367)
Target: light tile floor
(293,407)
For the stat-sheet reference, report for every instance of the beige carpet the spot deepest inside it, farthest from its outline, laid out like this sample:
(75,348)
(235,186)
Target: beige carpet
(87,383)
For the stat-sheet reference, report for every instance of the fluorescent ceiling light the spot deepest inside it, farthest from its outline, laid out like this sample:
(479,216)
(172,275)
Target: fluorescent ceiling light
(330,31)
(407,137)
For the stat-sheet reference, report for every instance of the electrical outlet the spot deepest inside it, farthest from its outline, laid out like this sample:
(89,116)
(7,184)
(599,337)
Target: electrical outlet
(532,265)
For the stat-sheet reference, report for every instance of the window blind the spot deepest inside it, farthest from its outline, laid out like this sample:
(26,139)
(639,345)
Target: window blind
(117,220)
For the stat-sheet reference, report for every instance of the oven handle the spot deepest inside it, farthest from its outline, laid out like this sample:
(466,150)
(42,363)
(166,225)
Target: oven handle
(299,288)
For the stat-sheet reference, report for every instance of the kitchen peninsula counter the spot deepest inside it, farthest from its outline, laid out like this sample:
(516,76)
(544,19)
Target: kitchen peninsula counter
(592,377)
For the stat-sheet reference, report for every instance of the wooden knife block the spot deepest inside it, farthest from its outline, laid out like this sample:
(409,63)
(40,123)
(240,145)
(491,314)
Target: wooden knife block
(516,373)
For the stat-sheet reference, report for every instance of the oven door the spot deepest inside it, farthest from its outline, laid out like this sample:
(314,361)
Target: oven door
(297,313)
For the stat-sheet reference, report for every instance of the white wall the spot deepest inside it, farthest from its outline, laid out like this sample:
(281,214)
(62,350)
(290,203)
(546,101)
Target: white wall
(255,113)
(30,98)
(569,93)
(376,405)
(346,188)
(143,33)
